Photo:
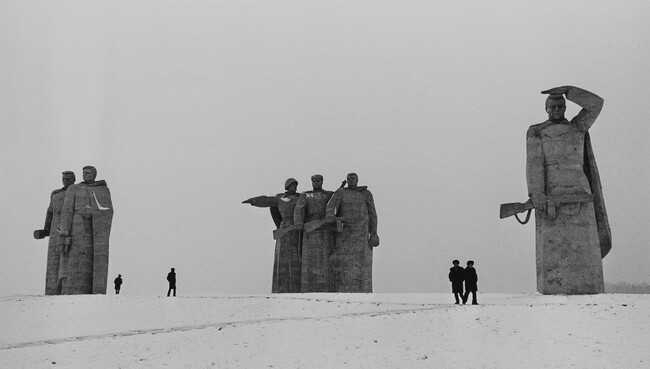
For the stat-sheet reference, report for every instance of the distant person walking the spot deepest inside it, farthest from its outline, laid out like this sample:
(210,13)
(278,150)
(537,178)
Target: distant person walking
(471,280)
(456,277)
(171,278)
(118,284)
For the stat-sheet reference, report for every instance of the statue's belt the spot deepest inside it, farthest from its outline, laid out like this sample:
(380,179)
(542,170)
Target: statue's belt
(564,166)
(553,201)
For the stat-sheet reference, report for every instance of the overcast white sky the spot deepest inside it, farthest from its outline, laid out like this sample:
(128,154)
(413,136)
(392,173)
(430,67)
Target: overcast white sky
(188,108)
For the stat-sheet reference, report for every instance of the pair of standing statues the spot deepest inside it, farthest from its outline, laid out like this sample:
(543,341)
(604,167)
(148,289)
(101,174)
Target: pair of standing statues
(78,224)
(324,239)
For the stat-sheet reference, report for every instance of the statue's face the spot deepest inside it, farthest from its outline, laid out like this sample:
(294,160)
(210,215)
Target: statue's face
(317,183)
(89,175)
(352,181)
(67,179)
(556,109)
(292,188)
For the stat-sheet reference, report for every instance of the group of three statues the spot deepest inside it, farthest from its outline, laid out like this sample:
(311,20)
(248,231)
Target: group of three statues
(324,239)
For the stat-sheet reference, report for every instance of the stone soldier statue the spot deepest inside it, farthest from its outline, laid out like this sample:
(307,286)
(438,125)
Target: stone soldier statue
(55,257)
(572,231)
(286,266)
(86,222)
(317,242)
(353,210)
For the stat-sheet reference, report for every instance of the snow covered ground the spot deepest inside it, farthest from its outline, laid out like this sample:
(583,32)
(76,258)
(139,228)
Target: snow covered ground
(325,331)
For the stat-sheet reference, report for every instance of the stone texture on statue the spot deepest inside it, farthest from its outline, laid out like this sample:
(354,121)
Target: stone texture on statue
(317,244)
(572,232)
(356,221)
(86,218)
(287,264)
(56,259)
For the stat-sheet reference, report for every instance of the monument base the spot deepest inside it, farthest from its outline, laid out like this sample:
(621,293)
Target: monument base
(568,252)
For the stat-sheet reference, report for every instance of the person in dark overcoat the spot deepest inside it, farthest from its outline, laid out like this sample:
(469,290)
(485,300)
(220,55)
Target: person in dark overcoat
(456,277)
(471,280)
(171,278)
(118,284)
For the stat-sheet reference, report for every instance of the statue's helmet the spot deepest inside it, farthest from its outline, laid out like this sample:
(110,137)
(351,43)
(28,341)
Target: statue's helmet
(288,182)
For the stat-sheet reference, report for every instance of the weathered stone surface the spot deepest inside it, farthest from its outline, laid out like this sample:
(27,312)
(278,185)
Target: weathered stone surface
(286,264)
(572,233)
(102,220)
(56,259)
(353,210)
(317,248)
(324,240)
(317,244)
(86,220)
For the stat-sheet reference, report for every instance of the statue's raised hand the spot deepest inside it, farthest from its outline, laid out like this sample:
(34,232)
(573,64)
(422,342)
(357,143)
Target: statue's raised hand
(557,90)
(252,201)
(539,200)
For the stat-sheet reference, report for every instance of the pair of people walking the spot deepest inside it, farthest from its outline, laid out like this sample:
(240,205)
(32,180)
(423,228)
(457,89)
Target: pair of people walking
(458,275)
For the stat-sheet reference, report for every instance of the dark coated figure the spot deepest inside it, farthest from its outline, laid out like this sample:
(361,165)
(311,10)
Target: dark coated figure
(287,263)
(353,211)
(572,230)
(456,277)
(317,242)
(171,278)
(56,259)
(471,280)
(85,226)
(118,284)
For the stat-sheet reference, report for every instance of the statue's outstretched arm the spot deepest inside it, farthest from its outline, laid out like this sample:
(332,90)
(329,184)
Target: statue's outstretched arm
(262,201)
(267,202)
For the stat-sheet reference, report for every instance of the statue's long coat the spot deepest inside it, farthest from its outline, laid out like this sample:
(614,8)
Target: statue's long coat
(286,266)
(55,258)
(286,263)
(351,259)
(560,162)
(87,215)
(317,245)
